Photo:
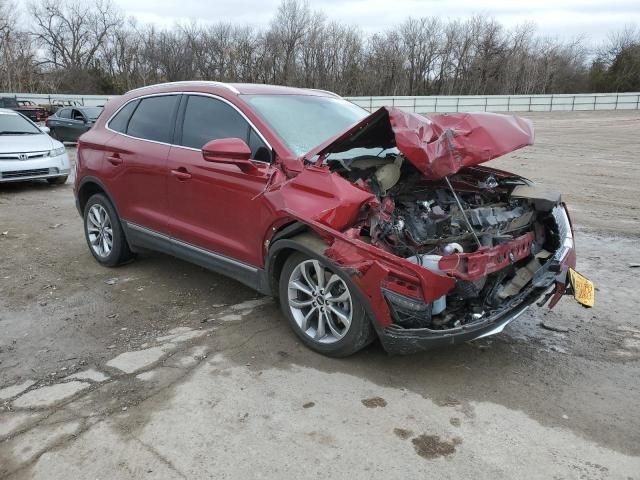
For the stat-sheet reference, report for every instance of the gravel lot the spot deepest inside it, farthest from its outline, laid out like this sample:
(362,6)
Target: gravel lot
(160,369)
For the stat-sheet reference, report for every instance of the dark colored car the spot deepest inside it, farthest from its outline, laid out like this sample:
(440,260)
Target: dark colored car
(364,225)
(57,104)
(29,109)
(68,123)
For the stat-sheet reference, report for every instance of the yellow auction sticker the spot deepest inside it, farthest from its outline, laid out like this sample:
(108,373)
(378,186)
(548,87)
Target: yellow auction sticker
(583,290)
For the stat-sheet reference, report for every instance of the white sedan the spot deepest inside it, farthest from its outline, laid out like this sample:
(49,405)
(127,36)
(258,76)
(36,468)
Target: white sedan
(28,153)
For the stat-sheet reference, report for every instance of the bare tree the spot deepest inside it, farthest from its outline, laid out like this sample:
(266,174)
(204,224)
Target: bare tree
(71,33)
(421,43)
(77,46)
(286,33)
(17,55)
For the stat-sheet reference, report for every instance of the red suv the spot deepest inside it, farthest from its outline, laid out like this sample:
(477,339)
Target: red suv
(364,225)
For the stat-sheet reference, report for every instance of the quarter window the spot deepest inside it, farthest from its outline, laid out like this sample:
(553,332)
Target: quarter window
(121,120)
(153,119)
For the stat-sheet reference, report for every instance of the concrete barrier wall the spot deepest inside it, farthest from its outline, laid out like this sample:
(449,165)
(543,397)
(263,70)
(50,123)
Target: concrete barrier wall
(506,103)
(45,98)
(437,104)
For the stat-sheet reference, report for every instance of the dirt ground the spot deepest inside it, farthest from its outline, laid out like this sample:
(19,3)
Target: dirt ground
(160,369)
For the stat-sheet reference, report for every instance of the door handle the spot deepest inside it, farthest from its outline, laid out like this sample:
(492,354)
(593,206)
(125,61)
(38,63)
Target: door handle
(181,173)
(114,159)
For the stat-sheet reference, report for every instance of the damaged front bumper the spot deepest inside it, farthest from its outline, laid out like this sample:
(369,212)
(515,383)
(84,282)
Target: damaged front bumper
(401,341)
(548,285)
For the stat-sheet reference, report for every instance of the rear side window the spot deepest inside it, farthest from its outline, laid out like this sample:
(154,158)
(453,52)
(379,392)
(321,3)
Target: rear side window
(153,119)
(121,120)
(207,119)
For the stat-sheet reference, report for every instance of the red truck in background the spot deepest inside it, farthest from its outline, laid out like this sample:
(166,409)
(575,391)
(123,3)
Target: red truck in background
(28,108)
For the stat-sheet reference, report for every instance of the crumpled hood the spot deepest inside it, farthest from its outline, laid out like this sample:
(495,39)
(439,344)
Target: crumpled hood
(439,145)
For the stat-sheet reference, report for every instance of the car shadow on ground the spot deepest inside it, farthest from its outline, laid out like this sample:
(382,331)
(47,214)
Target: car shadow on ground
(27,186)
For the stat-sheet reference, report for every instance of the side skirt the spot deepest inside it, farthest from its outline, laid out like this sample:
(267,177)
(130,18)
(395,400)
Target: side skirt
(139,236)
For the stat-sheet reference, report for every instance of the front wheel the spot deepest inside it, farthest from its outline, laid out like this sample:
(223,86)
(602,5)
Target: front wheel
(321,307)
(104,233)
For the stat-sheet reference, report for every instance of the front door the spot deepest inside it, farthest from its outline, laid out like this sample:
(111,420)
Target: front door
(77,125)
(214,206)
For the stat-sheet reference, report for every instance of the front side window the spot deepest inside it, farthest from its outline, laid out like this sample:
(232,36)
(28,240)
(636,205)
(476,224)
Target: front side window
(207,119)
(153,119)
(77,115)
(64,113)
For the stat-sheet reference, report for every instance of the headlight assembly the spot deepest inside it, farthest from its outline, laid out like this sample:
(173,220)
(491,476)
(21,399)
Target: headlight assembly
(57,151)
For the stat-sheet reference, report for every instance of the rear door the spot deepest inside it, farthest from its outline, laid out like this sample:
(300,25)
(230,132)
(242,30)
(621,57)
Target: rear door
(217,206)
(136,159)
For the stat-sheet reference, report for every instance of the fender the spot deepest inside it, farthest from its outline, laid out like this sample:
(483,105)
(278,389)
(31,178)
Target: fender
(90,179)
(313,246)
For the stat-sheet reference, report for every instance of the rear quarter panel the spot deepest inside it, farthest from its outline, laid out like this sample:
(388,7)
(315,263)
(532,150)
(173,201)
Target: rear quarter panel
(90,155)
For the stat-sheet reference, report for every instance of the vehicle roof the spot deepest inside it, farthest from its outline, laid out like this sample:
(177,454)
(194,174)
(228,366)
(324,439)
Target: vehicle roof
(6,111)
(234,88)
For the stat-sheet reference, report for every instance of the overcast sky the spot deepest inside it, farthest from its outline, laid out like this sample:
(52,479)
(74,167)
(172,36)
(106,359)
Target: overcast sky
(562,18)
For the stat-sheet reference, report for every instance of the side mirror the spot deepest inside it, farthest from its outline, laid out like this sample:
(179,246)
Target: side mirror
(228,150)
(45,129)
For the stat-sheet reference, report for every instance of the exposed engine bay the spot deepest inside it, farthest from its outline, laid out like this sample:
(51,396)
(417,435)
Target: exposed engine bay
(436,223)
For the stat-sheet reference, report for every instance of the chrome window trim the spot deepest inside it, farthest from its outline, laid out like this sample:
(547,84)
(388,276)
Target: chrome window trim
(202,94)
(190,246)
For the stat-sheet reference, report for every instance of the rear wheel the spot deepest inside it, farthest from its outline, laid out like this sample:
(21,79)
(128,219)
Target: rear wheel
(57,180)
(321,307)
(104,233)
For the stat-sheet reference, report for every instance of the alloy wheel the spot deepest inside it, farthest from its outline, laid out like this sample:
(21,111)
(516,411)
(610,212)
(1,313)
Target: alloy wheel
(320,302)
(99,230)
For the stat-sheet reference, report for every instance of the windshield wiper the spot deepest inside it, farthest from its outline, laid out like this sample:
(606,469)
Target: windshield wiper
(9,132)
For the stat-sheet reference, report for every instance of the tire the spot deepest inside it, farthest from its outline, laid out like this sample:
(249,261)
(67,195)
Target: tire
(53,134)
(101,223)
(334,338)
(57,180)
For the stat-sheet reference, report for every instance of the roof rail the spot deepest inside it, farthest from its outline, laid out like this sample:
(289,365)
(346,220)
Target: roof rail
(325,91)
(190,82)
